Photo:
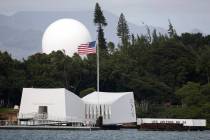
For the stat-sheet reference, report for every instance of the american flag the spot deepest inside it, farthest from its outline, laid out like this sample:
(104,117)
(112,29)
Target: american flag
(87,48)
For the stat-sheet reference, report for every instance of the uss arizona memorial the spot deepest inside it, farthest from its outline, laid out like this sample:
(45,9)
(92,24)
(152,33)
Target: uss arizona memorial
(40,106)
(61,107)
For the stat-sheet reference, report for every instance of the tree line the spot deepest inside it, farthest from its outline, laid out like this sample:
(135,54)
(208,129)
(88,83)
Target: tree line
(169,74)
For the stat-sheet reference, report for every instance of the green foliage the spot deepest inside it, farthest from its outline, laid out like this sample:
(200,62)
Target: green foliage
(12,79)
(100,21)
(190,94)
(195,40)
(99,18)
(203,63)
(155,36)
(101,41)
(171,30)
(6,110)
(111,48)
(123,30)
(86,92)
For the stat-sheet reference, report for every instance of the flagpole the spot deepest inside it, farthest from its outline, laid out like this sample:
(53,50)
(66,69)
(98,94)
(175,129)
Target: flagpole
(97,55)
(97,68)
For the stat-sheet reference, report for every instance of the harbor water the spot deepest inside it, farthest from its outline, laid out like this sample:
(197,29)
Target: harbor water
(124,134)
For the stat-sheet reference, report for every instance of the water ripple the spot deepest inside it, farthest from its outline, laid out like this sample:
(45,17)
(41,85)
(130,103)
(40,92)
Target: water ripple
(124,134)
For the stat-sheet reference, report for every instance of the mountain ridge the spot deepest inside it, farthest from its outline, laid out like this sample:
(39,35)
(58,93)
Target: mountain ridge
(32,24)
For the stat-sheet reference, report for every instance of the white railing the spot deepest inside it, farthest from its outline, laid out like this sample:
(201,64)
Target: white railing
(49,119)
(28,115)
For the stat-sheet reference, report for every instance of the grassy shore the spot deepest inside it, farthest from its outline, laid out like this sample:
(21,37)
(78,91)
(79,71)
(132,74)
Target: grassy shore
(6,110)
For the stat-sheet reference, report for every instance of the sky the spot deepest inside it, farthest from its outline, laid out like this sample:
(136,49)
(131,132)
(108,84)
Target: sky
(185,15)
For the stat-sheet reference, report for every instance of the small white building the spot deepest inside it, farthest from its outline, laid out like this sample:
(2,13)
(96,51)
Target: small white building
(56,104)
(115,108)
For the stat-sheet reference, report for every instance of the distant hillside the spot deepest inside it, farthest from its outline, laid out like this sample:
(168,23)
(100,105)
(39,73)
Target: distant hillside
(21,33)
(20,43)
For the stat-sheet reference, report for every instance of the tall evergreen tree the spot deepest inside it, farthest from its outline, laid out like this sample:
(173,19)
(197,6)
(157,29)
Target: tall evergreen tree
(154,36)
(99,18)
(101,40)
(123,30)
(132,39)
(149,38)
(171,30)
(100,22)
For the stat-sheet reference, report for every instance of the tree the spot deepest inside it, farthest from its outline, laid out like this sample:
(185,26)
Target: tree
(204,63)
(123,30)
(101,40)
(190,94)
(171,30)
(175,65)
(154,36)
(99,18)
(149,38)
(133,39)
(100,22)
(195,40)
(12,79)
(111,47)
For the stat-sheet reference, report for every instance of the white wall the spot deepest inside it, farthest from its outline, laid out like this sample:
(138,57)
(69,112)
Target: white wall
(122,110)
(54,99)
(75,108)
(199,122)
(119,110)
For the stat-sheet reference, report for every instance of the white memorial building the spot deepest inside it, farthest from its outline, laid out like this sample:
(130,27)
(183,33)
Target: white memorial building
(54,105)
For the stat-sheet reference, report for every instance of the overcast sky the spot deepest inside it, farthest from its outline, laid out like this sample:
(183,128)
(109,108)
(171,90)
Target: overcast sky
(186,15)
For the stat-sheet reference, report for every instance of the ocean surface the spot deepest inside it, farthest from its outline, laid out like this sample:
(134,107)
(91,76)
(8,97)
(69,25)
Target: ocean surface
(124,134)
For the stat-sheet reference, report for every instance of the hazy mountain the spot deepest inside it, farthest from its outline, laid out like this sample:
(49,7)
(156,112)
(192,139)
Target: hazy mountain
(194,31)
(20,43)
(21,33)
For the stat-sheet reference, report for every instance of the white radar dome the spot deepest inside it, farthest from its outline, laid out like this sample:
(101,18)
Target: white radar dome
(65,34)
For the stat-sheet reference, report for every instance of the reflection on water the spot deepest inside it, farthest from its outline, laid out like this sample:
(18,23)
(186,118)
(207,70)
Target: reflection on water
(124,134)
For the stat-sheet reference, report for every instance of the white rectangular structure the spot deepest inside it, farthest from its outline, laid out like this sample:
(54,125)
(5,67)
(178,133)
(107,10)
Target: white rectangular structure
(185,122)
(58,104)
(115,108)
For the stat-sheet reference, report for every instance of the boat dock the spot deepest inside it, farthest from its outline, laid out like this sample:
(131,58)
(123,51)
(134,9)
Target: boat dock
(166,124)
